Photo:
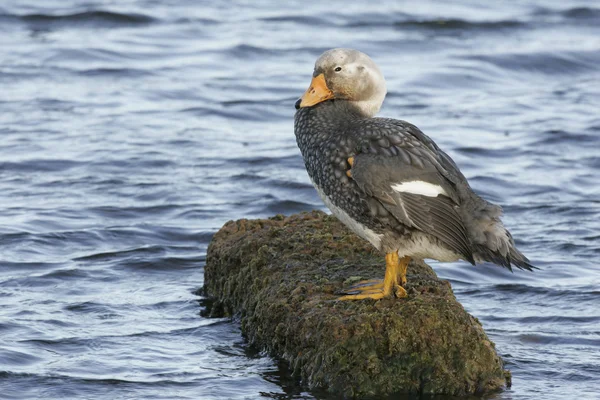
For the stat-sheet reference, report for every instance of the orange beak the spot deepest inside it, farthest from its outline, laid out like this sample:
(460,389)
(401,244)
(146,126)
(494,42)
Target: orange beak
(316,93)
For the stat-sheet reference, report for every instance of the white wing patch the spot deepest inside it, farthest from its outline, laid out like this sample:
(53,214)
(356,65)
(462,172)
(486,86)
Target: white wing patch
(419,187)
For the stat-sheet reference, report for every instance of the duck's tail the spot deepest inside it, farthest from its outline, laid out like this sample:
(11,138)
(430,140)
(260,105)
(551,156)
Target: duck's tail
(492,242)
(512,258)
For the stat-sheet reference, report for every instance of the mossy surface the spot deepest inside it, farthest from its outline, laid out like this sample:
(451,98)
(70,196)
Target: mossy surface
(280,277)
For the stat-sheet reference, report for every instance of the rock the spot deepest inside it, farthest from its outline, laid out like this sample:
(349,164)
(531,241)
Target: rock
(280,277)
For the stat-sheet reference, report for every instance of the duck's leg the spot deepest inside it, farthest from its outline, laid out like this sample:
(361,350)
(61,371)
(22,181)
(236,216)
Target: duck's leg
(366,286)
(400,274)
(388,288)
(402,267)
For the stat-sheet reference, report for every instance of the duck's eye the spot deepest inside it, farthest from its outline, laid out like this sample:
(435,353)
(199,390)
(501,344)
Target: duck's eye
(338,69)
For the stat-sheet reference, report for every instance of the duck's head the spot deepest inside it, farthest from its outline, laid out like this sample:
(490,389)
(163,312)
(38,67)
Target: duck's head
(346,75)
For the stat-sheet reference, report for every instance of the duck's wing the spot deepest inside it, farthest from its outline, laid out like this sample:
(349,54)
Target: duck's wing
(414,181)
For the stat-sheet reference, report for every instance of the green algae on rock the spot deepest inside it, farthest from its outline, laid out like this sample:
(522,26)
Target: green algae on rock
(280,277)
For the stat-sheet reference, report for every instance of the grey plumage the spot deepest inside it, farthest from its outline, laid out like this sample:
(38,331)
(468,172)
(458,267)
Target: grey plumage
(388,152)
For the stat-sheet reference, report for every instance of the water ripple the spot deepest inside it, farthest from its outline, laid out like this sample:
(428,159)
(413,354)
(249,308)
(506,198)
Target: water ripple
(89,19)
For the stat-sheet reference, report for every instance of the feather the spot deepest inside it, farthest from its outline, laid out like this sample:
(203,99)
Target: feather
(437,217)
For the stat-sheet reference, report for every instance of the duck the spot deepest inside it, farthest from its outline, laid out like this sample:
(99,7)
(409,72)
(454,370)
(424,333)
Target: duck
(388,182)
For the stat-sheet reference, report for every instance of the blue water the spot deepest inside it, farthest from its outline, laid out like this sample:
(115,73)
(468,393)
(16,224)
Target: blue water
(131,131)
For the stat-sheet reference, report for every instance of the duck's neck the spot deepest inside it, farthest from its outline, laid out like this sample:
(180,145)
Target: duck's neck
(366,108)
(345,110)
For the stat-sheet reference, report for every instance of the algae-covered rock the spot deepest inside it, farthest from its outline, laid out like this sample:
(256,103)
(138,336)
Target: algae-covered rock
(280,277)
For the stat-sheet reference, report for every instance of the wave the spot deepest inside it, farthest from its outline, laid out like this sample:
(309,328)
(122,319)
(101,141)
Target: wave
(546,63)
(96,18)
(460,24)
(310,20)
(39,165)
(577,13)
(397,20)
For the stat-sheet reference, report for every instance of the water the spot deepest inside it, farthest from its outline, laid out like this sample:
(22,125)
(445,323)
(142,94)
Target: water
(132,130)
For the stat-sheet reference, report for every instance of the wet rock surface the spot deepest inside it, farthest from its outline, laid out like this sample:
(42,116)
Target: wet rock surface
(281,277)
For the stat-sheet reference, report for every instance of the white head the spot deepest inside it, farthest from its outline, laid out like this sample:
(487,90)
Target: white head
(348,75)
